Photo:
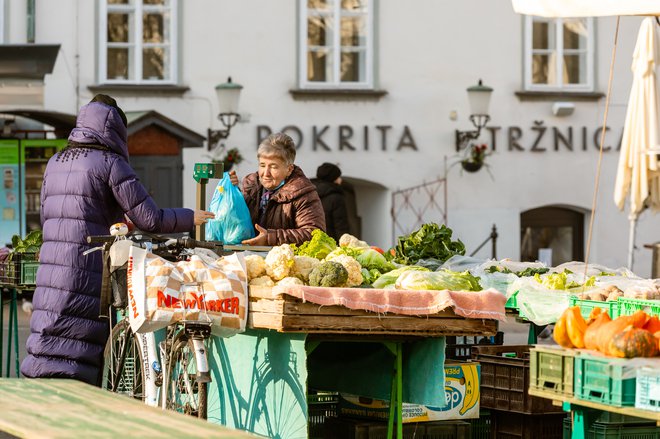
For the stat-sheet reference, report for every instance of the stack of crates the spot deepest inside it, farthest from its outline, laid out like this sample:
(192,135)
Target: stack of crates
(504,387)
(349,428)
(460,347)
(20,270)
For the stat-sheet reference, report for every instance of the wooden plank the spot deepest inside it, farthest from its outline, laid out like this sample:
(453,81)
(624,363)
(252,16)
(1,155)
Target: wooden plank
(369,324)
(263,293)
(296,306)
(629,411)
(51,408)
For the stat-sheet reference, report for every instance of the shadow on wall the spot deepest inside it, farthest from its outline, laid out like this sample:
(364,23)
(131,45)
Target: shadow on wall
(258,384)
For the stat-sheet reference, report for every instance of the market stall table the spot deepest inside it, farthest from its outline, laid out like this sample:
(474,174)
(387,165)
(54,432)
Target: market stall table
(269,363)
(58,408)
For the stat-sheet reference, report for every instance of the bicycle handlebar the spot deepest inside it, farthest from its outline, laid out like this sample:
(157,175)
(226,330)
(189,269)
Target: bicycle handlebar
(185,242)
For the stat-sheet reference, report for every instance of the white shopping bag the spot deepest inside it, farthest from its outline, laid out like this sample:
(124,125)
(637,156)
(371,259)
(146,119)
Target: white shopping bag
(204,289)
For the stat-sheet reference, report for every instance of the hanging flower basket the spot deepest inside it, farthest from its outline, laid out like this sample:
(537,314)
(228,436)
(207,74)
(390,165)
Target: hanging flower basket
(229,159)
(469,166)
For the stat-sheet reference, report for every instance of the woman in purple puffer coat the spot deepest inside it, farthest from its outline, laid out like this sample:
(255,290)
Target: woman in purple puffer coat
(87,187)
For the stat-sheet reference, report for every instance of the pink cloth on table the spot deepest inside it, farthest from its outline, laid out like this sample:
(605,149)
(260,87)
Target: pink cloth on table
(487,304)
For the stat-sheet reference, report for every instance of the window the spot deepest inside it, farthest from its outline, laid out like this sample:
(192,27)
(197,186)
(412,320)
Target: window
(557,230)
(138,41)
(559,54)
(2,21)
(336,44)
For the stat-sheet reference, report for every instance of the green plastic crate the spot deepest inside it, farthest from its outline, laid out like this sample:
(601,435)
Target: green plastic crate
(601,379)
(29,272)
(623,431)
(647,394)
(481,426)
(551,369)
(628,306)
(586,306)
(512,302)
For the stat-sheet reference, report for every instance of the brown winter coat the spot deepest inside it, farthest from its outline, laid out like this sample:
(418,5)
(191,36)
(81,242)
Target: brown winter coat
(292,212)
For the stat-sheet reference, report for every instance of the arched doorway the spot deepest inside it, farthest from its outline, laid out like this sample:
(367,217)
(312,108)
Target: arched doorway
(552,234)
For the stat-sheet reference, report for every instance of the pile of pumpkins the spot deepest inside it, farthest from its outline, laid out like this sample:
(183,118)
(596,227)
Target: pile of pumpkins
(631,336)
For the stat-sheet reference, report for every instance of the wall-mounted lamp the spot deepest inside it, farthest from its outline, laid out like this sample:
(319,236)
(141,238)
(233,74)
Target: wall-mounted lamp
(228,94)
(479,98)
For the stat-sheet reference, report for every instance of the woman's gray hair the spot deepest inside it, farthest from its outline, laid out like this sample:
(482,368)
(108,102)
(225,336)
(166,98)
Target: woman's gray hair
(279,145)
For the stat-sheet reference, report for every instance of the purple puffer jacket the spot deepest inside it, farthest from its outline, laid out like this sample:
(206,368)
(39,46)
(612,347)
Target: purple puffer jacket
(84,192)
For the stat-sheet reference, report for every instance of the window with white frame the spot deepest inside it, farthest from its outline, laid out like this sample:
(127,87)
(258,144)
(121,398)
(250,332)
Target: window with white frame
(559,54)
(2,21)
(336,44)
(138,41)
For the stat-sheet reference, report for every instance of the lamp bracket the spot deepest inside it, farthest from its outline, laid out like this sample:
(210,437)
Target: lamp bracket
(213,137)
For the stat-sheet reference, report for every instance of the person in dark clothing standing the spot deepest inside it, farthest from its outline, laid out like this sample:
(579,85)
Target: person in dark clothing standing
(327,182)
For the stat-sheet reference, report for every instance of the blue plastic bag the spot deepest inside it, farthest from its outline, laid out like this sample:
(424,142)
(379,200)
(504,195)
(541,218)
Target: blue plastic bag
(232,223)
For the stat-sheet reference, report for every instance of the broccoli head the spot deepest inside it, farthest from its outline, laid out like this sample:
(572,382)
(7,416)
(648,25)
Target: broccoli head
(328,274)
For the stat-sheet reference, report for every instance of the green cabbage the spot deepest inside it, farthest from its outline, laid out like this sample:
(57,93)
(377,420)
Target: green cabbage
(371,259)
(389,279)
(438,280)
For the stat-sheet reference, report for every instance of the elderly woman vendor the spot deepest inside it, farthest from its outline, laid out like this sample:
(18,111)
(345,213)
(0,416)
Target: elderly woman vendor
(283,203)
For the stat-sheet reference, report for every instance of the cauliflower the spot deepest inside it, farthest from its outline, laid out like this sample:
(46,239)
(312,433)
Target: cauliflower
(302,265)
(328,274)
(256,266)
(279,261)
(290,281)
(262,281)
(353,267)
(347,240)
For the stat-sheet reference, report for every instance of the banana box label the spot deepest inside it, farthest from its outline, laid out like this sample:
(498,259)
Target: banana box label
(461,392)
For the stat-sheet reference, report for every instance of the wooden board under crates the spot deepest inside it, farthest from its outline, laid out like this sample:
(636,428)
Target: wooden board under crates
(285,313)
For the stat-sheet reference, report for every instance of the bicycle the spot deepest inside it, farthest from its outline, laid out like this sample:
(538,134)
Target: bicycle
(134,362)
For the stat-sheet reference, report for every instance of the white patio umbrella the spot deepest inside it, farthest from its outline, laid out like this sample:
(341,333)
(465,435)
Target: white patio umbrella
(637,173)
(586,8)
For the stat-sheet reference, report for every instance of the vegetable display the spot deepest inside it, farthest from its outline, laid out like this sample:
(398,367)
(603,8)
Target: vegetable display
(429,241)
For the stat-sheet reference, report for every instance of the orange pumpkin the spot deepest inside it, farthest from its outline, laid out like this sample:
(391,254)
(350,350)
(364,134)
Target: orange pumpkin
(559,333)
(653,325)
(639,319)
(607,331)
(591,334)
(575,326)
(593,315)
(632,343)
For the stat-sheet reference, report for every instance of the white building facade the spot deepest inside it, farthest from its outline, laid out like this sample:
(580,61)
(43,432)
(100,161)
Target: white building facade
(379,88)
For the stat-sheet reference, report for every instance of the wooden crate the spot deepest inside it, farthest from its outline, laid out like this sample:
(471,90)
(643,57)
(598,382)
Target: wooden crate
(285,313)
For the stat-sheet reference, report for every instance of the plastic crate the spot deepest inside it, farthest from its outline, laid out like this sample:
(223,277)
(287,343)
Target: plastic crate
(551,370)
(568,428)
(586,306)
(460,347)
(505,378)
(512,302)
(480,427)
(9,272)
(629,306)
(447,430)
(623,431)
(320,406)
(601,379)
(348,428)
(505,425)
(29,269)
(647,392)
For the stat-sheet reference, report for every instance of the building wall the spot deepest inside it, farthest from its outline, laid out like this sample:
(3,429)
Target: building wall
(427,54)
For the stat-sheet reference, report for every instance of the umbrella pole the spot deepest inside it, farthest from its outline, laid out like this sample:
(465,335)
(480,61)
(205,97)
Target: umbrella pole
(631,240)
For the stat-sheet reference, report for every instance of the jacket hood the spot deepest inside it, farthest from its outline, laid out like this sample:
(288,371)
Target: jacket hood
(325,188)
(100,124)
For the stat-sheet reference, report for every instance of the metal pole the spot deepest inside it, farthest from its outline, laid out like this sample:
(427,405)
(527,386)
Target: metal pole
(200,204)
(493,236)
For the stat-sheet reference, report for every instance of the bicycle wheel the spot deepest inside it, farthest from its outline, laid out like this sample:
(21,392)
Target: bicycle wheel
(276,408)
(184,393)
(122,362)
